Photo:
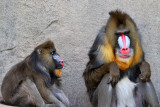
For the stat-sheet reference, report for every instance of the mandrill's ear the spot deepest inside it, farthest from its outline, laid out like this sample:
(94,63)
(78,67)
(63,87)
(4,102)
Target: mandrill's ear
(39,51)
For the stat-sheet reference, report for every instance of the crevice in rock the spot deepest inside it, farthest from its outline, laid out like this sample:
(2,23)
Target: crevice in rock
(7,49)
(54,21)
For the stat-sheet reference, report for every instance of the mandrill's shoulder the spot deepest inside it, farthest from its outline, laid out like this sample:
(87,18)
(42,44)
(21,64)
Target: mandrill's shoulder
(94,54)
(100,40)
(19,67)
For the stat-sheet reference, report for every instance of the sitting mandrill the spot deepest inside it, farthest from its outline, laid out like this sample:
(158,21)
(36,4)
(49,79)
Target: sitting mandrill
(117,74)
(36,82)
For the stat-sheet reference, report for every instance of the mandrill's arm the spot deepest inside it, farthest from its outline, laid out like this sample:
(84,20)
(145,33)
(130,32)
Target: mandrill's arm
(145,85)
(93,77)
(145,71)
(47,94)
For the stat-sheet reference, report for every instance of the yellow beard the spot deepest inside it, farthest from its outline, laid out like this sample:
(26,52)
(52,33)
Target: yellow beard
(123,65)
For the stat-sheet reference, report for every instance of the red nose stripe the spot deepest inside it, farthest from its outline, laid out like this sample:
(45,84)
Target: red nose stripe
(125,49)
(124,41)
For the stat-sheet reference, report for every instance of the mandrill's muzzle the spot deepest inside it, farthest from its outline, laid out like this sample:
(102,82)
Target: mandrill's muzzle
(124,43)
(58,61)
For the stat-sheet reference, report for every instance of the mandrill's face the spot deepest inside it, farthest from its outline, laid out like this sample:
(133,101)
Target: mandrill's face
(58,62)
(53,61)
(123,52)
(57,59)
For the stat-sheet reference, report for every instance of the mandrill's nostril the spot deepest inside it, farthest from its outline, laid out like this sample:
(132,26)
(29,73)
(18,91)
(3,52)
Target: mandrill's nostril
(125,50)
(62,63)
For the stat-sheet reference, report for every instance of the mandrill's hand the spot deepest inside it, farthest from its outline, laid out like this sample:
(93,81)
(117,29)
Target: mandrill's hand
(145,71)
(114,73)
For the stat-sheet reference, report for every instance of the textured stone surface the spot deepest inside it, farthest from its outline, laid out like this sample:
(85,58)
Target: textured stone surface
(73,26)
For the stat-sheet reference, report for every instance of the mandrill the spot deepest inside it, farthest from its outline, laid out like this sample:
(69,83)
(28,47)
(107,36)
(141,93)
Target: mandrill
(117,74)
(36,81)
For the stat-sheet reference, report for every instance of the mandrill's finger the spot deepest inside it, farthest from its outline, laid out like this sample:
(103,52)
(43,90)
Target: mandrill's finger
(117,80)
(113,83)
(147,79)
(141,77)
(109,80)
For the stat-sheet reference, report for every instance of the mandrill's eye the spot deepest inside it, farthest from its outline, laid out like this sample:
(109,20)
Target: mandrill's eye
(53,51)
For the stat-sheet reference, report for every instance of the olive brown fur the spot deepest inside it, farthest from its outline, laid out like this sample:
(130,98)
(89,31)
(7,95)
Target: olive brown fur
(33,81)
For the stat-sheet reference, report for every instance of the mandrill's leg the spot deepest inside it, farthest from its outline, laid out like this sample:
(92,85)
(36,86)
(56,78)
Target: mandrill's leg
(103,93)
(148,93)
(60,95)
(47,94)
(29,96)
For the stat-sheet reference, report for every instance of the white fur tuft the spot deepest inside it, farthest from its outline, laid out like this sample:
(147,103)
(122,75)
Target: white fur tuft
(124,90)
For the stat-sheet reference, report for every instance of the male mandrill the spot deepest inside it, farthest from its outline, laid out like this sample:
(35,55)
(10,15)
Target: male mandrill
(35,81)
(117,74)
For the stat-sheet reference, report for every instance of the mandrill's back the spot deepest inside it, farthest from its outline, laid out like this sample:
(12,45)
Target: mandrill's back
(12,80)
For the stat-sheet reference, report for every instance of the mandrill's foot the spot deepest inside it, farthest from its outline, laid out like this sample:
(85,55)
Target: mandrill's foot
(145,71)
(2,100)
(114,73)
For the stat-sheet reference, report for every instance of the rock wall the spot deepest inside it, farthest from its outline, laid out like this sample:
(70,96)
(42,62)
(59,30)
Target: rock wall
(73,26)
